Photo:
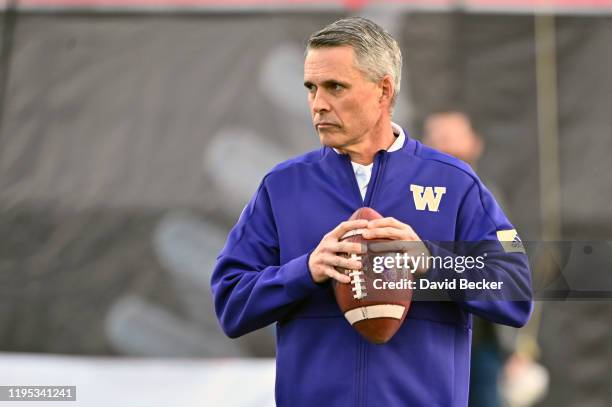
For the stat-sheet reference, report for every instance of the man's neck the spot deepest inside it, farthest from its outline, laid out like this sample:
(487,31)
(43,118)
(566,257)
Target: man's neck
(380,138)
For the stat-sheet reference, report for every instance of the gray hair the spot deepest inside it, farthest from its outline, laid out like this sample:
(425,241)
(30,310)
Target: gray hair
(376,52)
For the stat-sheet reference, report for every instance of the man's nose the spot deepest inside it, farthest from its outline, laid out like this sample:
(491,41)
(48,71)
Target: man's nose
(319,102)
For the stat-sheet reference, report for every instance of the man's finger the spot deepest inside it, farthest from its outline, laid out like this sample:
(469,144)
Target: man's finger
(342,262)
(386,222)
(385,233)
(393,246)
(346,247)
(347,226)
(342,278)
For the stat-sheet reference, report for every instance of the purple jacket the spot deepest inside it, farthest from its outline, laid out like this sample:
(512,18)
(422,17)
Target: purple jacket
(262,277)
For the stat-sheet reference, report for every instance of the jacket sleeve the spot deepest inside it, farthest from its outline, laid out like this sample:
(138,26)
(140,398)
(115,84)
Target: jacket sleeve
(250,288)
(483,230)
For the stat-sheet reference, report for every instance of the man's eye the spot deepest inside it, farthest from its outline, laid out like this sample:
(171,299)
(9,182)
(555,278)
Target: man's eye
(337,87)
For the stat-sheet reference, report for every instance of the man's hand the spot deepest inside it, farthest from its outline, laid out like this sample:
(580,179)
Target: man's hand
(403,239)
(390,228)
(325,257)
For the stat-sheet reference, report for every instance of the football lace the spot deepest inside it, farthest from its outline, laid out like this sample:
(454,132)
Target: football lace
(358,283)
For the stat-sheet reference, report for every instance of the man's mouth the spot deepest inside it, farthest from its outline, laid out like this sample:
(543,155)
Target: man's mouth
(325,125)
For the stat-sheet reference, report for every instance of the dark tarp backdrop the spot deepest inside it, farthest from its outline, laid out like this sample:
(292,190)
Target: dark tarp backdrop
(131,142)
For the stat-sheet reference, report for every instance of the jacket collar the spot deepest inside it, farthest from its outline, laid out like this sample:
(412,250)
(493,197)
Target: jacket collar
(400,139)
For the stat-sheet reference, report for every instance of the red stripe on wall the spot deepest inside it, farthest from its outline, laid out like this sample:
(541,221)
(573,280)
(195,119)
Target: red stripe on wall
(527,5)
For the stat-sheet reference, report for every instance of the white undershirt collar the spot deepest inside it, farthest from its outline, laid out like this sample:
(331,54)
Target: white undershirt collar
(400,139)
(363,173)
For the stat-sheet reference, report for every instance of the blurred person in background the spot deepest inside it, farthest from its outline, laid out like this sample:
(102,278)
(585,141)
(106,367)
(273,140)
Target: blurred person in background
(281,256)
(452,132)
(493,345)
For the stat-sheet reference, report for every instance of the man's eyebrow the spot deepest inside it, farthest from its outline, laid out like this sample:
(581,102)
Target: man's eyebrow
(328,83)
(333,82)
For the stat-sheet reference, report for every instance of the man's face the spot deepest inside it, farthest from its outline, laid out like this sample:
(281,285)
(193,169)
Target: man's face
(452,133)
(344,104)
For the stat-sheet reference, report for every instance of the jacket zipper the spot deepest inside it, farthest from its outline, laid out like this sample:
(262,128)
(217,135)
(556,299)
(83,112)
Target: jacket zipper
(359,378)
(353,180)
(380,160)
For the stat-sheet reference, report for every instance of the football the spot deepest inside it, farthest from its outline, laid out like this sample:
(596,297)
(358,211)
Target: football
(373,309)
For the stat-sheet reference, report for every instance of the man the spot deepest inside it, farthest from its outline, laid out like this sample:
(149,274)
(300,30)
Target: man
(279,259)
(452,132)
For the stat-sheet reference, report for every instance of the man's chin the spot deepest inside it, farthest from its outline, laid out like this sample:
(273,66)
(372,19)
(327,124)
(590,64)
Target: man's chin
(328,142)
(329,139)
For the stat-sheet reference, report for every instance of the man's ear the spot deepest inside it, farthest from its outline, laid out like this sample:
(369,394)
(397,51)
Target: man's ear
(387,90)
(478,147)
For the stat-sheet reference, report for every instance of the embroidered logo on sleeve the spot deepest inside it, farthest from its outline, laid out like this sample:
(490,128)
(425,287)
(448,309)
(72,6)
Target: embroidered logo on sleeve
(427,197)
(510,241)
